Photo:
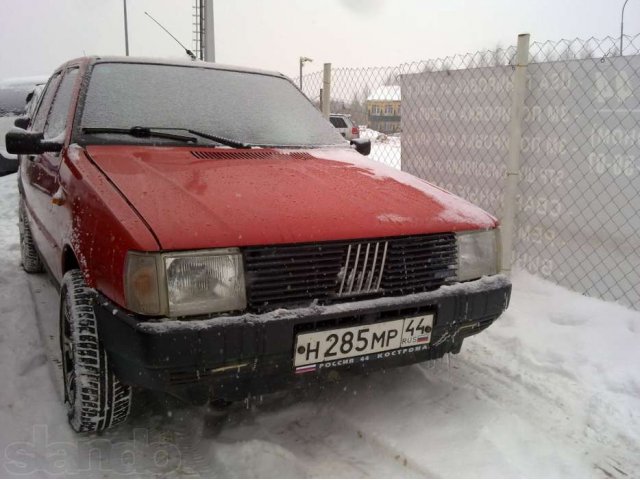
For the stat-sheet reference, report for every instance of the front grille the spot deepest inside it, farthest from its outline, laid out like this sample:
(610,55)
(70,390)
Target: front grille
(419,264)
(363,269)
(329,272)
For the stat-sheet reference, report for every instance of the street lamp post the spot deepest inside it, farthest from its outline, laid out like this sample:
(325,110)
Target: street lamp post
(303,60)
(126,30)
(209,36)
(622,25)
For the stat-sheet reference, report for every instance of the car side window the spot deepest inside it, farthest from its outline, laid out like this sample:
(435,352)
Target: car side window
(57,120)
(40,117)
(338,122)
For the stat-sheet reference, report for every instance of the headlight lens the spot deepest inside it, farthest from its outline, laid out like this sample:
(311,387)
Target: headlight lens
(205,283)
(477,254)
(187,283)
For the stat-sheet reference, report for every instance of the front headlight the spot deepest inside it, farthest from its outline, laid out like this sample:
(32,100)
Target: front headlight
(477,254)
(204,283)
(187,283)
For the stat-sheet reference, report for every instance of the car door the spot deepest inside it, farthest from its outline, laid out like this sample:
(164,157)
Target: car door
(42,170)
(30,171)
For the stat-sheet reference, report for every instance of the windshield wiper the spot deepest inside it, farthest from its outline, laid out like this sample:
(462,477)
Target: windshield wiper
(216,138)
(145,132)
(141,132)
(223,140)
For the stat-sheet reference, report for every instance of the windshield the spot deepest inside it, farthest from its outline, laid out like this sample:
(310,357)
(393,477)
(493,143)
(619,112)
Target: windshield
(252,108)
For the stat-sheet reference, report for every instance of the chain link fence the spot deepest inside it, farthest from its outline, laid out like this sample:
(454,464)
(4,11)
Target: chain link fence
(449,121)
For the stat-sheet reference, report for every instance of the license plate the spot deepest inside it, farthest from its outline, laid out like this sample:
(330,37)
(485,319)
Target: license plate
(328,345)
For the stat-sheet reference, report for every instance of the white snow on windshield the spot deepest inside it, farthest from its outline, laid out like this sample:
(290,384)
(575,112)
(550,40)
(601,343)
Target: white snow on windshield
(252,108)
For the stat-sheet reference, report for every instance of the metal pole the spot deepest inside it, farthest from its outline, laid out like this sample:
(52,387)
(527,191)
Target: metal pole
(622,25)
(303,60)
(126,30)
(201,26)
(326,90)
(507,229)
(209,33)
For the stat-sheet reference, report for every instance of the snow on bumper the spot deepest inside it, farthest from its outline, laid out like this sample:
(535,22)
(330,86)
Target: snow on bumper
(253,354)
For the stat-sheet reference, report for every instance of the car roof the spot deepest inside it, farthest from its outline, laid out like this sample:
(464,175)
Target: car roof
(168,61)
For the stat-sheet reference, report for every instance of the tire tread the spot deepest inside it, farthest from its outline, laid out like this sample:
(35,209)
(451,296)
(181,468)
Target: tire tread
(30,258)
(102,401)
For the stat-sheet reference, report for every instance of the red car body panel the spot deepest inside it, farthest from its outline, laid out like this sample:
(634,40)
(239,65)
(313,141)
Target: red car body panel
(94,221)
(104,228)
(268,196)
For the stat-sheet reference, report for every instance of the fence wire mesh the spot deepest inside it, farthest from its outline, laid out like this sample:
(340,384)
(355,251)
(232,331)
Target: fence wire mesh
(448,121)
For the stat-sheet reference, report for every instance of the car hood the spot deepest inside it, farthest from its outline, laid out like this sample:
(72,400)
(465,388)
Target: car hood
(206,197)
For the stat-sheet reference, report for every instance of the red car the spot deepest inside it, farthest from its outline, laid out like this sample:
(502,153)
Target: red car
(214,237)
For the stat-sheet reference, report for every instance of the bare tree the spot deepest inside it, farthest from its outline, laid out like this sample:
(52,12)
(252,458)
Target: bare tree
(567,53)
(586,51)
(497,56)
(428,66)
(366,91)
(391,79)
(358,110)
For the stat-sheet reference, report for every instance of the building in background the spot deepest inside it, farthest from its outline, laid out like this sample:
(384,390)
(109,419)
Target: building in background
(383,109)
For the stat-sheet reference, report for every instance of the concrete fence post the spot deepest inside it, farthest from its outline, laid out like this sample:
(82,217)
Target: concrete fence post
(326,90)
(209,33)
(509,205)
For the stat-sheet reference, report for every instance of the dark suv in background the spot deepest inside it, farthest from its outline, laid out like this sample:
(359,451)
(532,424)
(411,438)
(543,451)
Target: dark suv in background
(16,96)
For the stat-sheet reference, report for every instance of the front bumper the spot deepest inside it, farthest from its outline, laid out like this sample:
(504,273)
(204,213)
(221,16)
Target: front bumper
(231,357)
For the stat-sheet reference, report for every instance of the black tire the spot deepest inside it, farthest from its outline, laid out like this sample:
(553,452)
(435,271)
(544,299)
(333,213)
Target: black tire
(94,397)
(29,256)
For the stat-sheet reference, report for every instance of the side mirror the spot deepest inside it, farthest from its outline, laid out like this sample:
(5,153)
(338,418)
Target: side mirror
(22,122)
(20,142)
(363,145)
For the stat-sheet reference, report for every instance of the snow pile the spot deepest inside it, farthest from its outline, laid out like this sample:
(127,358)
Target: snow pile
(551,389)
(384,148)
(369,133)
(28,400)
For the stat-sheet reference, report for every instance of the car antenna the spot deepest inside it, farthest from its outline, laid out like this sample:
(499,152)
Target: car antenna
(189,52)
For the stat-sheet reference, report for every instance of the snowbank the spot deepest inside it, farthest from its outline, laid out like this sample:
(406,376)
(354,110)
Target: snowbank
(552,389)
(384,148)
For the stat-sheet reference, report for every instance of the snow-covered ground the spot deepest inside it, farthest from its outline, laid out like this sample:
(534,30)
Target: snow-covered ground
(552,389)
(384,148)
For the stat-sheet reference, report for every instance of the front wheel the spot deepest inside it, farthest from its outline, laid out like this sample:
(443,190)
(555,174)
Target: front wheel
(94,397)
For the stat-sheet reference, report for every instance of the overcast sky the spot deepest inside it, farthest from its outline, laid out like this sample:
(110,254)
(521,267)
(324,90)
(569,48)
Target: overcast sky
(38,35)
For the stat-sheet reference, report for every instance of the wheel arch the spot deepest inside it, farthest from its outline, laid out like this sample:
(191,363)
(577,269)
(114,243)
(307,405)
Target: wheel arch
(69,260)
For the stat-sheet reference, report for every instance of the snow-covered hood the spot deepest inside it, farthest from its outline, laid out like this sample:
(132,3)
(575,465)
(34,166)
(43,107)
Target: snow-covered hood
(203,197)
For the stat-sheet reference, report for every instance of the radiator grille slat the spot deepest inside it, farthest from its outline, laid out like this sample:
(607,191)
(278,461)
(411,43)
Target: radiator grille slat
(357,276)
(330,272)
(384,260)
